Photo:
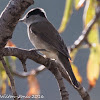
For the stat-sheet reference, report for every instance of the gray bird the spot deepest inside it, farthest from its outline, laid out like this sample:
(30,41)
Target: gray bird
(43,35)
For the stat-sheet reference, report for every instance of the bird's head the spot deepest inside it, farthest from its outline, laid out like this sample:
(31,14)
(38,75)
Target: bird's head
(36,14)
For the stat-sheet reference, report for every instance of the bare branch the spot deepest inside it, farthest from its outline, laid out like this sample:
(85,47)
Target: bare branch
(83,93)
(84,34)
(11,79)
(58,76)
(33,72)
(81,90)
(33,55)
(24,64)
(56,73)
(86,31)
(9,18)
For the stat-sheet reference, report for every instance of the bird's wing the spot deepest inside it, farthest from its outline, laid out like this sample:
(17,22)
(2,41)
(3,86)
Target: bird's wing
(46,31)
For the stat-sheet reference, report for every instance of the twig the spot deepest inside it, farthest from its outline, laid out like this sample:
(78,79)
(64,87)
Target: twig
(11,79)
(32,72)
(24,64)
(83,93)
(86,31)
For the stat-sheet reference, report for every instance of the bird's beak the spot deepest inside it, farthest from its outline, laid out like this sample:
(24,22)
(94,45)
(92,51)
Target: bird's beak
(22,20)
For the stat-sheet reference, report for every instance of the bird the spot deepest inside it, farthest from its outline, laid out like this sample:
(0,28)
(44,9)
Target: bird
(43,35)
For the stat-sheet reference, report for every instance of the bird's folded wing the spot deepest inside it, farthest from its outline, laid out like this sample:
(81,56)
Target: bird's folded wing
(46,31)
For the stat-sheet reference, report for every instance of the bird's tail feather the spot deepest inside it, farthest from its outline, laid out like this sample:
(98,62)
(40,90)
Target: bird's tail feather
(65,62)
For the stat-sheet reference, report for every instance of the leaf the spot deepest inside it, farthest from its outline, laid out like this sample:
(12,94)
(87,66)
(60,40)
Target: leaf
(3,82)
(13,58)
(9,83)
(89,12)
(79,4)
(3,88)
(93,66)
(10,44)
(4,75)
(66,16)
(74,68)
(34,87)
(73,53)
(76,73)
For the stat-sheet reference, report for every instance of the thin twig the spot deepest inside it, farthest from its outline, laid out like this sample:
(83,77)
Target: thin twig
(24,65)
(32,72)
(85,33)
(11,78)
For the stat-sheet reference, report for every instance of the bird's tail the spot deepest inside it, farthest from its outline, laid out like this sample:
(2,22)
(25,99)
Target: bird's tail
(65,62)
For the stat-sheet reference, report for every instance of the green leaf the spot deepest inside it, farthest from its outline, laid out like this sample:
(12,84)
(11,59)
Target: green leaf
(66,16)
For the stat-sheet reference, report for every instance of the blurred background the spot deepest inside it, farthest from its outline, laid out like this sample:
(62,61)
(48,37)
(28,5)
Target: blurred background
(48,85)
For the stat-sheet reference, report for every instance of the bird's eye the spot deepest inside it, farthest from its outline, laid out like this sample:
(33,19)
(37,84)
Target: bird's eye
(27,16)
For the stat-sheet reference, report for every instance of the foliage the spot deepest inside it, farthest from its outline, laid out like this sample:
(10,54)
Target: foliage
(93,64)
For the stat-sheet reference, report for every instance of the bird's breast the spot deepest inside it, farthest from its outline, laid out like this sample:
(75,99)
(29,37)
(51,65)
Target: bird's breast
(40,44)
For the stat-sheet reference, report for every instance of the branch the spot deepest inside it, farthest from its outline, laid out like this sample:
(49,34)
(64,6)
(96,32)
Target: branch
(33,72)
(64,94)
(81,90)
(33,55)
(86,31)
(54,70)
(10,17)
(11,78)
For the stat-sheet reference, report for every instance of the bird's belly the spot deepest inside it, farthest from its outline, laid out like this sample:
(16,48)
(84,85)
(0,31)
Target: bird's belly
(39,44)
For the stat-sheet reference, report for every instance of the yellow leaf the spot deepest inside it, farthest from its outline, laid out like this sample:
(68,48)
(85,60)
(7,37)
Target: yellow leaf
(3,88)
(89,11)
(13,57)
(66,16)
(73,53)
(4,75)
(9,84)
(76,73)
(93,64)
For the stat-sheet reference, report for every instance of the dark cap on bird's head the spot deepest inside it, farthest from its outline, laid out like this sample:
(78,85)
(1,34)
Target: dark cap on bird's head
(36,11)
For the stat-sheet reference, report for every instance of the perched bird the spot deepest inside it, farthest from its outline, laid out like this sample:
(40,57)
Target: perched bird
(43,35)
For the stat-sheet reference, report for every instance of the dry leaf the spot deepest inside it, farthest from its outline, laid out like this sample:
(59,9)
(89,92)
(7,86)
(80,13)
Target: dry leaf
(10,44)
(34,87)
